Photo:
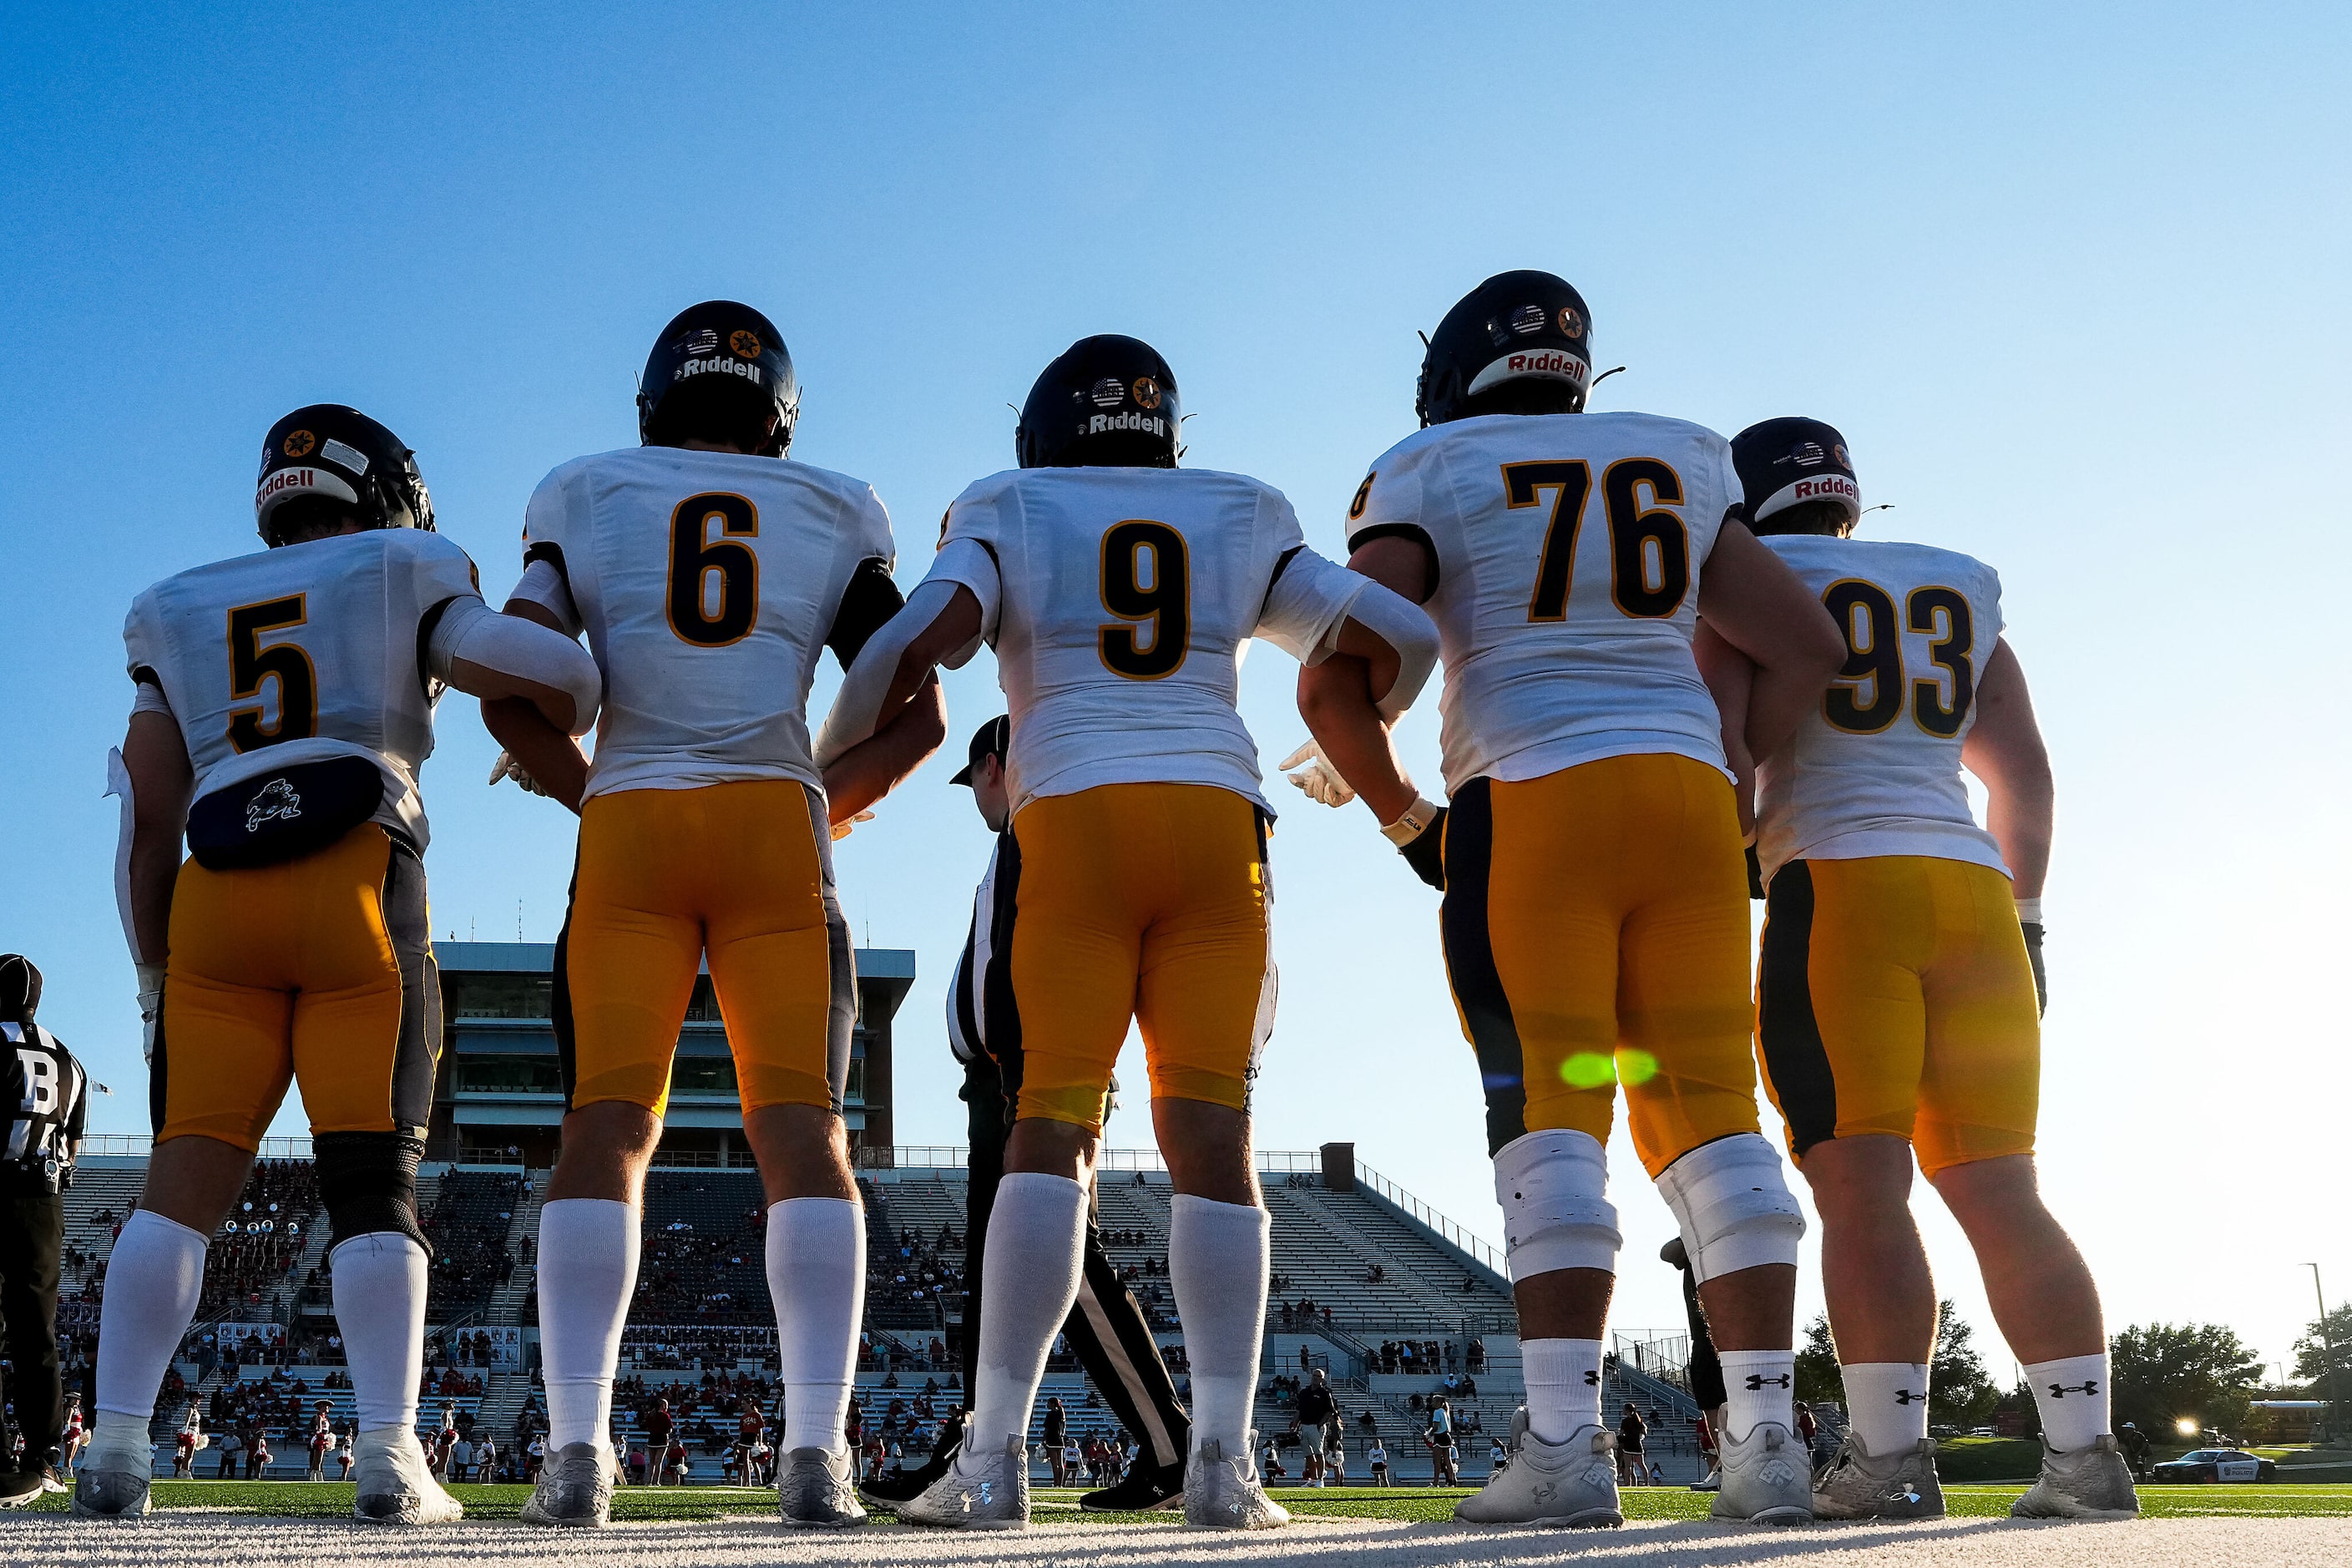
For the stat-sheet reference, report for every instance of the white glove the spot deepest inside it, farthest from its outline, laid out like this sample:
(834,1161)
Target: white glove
(150,1006)
(506,767)
(1319,779)
(842,830)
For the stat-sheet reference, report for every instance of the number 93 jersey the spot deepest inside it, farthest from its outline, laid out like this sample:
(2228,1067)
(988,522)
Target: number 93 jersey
(1875,769)
(706,583)
(1567,550)
(302,653)
(1120,602)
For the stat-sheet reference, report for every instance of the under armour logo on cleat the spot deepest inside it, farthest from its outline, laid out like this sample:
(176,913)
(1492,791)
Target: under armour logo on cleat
(2060,1390)
(1756,1381)
(1904,1397)
(1592,1380)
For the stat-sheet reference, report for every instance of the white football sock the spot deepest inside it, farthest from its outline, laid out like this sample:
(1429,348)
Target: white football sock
(816,1277)
(1029,1277)
(1217,1262)
(587,1272)
(1886,1401)
(1759,1386)
(2071,1393)
(1563,1386)
(379,1285)
(153,1278)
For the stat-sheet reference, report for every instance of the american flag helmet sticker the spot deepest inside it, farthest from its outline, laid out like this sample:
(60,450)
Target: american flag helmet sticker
(1108,392)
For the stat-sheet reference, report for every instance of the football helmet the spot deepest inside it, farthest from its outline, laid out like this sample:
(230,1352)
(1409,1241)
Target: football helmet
(1520,342)
(1108,402)
(328,452)
(718,366)
(1784,464)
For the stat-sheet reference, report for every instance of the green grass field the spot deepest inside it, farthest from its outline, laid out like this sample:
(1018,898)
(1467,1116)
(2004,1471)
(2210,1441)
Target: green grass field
(332,1500)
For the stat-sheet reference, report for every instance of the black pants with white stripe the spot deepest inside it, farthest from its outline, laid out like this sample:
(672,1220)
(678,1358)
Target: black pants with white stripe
(32,1242)
(1107,1328)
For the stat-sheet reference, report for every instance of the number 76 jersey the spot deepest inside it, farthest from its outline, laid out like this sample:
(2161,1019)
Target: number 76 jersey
(1875,768)
(1567,551)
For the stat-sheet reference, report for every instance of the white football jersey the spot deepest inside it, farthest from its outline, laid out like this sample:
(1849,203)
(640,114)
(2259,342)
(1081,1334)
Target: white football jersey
(305,652)
(1568,548)
(1120,602)
(706,582)
(1875,769)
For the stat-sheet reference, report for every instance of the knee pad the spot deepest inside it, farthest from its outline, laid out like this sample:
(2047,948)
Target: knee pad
(368,1181)
(1734,1205)
(1553,1187)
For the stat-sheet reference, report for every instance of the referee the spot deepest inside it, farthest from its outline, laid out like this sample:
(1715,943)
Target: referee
(1107,1328)
(41,1097)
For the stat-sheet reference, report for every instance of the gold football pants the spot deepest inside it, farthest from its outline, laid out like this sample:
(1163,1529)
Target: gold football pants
(1895,996)
(317,971)
(1146,901)
(743,873)
(1596,933)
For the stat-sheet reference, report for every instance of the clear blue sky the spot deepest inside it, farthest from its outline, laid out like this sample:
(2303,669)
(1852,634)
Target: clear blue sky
(2070,280)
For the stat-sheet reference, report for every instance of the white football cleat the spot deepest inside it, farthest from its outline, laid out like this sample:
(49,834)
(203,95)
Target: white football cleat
(1223,1493)
(993,1493)
(395,1481)
(1767,1478)
(1570,1484)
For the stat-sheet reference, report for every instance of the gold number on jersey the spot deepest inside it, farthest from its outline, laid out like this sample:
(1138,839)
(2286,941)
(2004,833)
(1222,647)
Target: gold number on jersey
(1952,650)
(250,664)
(1166,605)
(1874,654)
(694,555)
(1865,613)
(1649,550)
(1555,572)
(1363,494)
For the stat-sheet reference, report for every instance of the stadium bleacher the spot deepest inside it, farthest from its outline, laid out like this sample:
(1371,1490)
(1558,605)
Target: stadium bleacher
(1354,1273)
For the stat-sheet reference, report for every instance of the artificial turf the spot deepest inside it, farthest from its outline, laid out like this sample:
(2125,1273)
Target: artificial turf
(332,1500)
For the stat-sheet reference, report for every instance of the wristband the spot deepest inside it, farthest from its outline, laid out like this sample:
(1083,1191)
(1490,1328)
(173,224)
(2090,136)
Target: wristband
(1413,823)
(2028,911)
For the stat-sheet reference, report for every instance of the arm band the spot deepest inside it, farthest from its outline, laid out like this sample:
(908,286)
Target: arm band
(2028,911)
(858,706)
(1404,626)
(471,631)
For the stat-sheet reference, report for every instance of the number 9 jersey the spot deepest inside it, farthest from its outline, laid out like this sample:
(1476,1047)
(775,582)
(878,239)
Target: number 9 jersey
(1875,768)
(1568,549)
(706,583)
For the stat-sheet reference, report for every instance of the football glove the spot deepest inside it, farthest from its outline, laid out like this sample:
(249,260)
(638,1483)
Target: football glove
(2032,930)
(506,767)
(842,830)
(1316,777)
(150,1007)
(1420,836)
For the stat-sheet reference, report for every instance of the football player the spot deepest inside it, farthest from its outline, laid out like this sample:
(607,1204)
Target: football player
(1900,985)
(708,571)
(289,695)
(1119,591)
(1595,916)
(1106,1329)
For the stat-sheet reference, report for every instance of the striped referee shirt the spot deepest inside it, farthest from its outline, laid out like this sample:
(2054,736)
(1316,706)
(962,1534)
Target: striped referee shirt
(44,1098)
(982,1018)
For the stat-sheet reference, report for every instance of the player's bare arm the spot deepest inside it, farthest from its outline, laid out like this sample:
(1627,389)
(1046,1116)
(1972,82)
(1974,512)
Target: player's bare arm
(548,755)
(1730,676)
(1759,607)
(2004,749)
(941,625)
(880,763)
(160,777)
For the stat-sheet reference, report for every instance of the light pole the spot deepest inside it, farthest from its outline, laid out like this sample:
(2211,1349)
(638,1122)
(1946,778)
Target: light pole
(2328,1341)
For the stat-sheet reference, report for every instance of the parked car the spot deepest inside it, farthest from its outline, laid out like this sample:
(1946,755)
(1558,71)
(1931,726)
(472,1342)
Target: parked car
(2216,1465)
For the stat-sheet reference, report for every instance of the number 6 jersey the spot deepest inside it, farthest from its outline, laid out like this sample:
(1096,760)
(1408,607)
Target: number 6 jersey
(706,582)
(1567,550)
(1875,768)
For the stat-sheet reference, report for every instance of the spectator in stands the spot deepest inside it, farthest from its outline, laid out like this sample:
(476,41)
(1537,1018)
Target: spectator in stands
(1630,1468)
(1057,1429)
(1319,1409)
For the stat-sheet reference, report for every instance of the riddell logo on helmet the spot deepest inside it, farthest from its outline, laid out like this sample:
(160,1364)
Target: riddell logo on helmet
(286,479)
(1548,361)
(1824,488)
(744,368)
(1148,424)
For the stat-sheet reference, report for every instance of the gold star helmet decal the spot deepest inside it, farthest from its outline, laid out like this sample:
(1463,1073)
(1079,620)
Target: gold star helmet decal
(745,344)
(299,444)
